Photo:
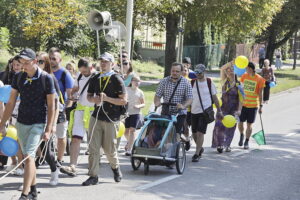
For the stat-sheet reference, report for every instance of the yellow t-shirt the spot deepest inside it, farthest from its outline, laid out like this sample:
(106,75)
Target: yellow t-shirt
(252,85)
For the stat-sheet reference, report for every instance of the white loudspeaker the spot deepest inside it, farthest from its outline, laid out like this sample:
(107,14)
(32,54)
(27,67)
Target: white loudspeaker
(97,19)
(117,30)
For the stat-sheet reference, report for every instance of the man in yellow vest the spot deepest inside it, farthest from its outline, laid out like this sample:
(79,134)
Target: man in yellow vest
(80,116)
(253,87)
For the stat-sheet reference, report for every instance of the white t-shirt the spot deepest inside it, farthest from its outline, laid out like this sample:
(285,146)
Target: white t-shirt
(205,96)
(1,84)
(134,96)
(83,98)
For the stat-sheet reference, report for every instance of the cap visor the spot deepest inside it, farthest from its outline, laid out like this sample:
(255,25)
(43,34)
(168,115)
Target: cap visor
(25,57)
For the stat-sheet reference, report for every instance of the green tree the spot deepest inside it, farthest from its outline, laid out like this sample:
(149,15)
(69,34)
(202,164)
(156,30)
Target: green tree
(284,25)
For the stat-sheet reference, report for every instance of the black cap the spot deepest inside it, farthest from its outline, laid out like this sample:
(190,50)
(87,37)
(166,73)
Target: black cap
(252,66)
(27,54)
(187,60)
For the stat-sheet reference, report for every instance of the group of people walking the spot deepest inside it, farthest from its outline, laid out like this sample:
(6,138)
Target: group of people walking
(54,103)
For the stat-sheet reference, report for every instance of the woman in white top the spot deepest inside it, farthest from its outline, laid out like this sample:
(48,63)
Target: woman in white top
(136,101)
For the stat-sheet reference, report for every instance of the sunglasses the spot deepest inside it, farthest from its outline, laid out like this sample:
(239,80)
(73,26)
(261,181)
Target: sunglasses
(41,62)
(126,63)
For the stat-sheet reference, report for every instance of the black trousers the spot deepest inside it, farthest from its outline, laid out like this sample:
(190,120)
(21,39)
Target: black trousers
(261,62)
(49,154)
(266,95)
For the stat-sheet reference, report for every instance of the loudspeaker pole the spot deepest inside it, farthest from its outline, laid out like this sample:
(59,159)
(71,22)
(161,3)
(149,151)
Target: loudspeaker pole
(98,44)
(129,16)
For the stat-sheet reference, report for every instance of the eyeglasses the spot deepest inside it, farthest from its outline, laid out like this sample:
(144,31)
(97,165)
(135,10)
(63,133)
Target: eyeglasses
(41,62)
(125,63)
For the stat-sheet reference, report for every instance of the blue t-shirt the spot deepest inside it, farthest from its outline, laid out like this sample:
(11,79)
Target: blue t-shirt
(33,105)
(69,81)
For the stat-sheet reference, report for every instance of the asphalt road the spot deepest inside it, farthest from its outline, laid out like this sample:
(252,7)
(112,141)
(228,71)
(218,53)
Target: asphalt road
(270,172)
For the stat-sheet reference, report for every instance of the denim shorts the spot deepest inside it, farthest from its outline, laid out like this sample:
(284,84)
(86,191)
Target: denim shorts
(29,137)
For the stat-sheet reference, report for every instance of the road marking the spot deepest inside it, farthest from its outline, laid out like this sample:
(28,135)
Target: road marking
(290,134)
(155,183)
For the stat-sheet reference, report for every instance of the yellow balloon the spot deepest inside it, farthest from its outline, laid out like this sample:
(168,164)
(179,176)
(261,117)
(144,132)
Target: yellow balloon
(241,62)
(220,103)
(229,121)
(11,132)
(121,130)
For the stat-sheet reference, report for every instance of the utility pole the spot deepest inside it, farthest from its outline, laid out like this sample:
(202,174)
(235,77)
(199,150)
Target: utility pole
(129,16)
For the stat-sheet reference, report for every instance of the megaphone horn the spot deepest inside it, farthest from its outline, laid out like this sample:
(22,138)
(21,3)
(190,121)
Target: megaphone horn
(97,19)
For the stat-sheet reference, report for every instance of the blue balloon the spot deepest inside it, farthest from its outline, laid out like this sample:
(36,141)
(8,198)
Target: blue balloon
(239,71)
(272,84)
(9,146)
(5,93)
(192,75)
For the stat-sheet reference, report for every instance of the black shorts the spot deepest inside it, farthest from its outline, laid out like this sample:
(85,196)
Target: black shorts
(248,114)
(132,121)
(189,118)
(179,124)
(198,123)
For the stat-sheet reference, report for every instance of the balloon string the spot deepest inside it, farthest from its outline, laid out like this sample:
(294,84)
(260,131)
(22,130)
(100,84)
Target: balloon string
(5,175)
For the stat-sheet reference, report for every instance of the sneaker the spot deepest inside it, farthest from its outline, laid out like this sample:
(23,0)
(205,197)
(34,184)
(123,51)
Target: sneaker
(69,170)
(246,145)
(23,197)
(201,152)
(187,145)
(32,195)
(220,149)
(91,181)
(128,153)
(228,149)
(59,163)
(19,172)
(241,140)
(117,174)
(54,178)
(9,168)
(195,158)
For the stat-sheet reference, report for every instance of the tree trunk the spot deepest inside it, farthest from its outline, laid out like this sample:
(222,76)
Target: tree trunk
(295,51)
(172,21)
(271,46)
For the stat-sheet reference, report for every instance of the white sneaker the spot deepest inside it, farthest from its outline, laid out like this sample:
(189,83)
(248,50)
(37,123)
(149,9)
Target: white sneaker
(54,177)
(19,172)
(9,168)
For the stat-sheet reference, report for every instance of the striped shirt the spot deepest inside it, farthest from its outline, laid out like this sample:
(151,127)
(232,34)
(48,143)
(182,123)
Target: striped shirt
(252,85)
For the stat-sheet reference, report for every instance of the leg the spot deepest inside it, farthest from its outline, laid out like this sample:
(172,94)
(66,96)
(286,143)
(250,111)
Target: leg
(249,130)
(75,149)
(109,147)
(94,147)
(131,138)
(199,142)
(61,134)
(29,175)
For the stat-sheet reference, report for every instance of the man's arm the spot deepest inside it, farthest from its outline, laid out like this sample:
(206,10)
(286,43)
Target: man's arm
(8,109)
(187,103)
(69,95)
(50,115)
(121,101)
(157,101)
(216,101)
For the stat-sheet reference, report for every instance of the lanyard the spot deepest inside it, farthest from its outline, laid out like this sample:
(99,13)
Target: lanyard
(105,76)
